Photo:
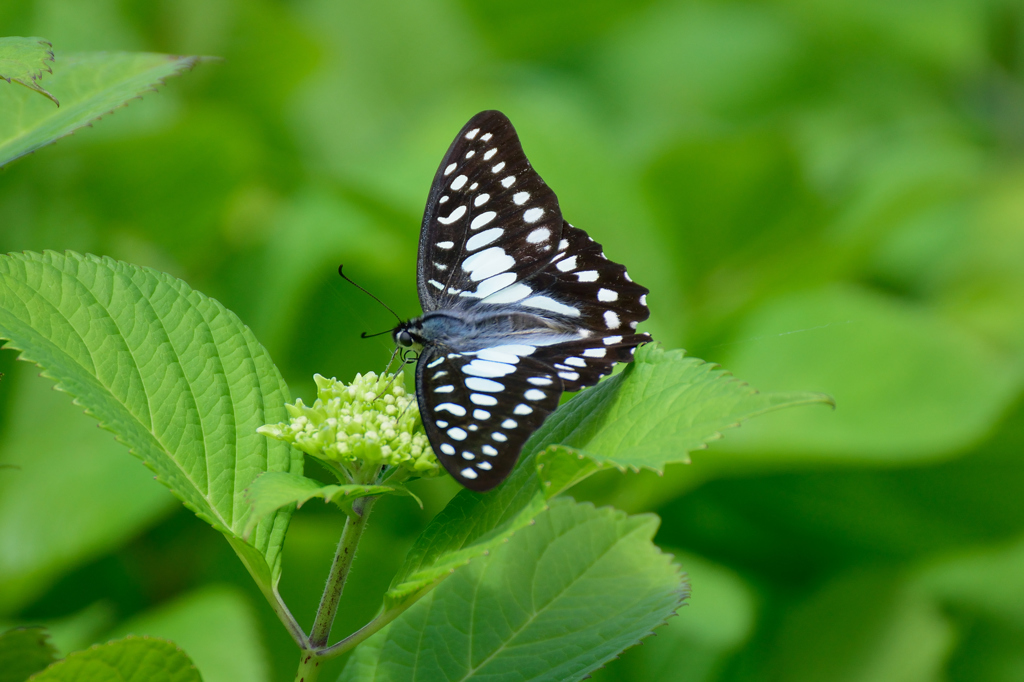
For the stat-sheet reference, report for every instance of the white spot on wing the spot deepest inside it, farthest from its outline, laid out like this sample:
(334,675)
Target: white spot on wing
(532,215)
(587,276)
(482,399)
(470,153)
(595,352)
(611,319)
(489,450)
(456,433)
(472,133)
(443,199)
(520,198)
(486,368)
(468,456)
(486,466)
(563,245)
(484,385)
(643,300)
(534,394)
(576,362)
(509,424)
(567,264)
(539,235)
(569,376)
(453,216)
(437,284)
(509,294)
(488,263)
(450,168)
(481,199)
(484,138)
(481,414)
(444,389)
(482,220)
(606,295)
(493,284)
(447,449)
(484,238)
(490,153)
(435,363)
(459,181)
(545,303)
(457,410)
(498,167)
(523,409)
(445,245)
(508,182)
(468,473)
(541,381)
(609,340)
(500,437)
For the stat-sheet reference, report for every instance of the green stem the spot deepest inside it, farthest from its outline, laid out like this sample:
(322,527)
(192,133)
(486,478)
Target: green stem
(309,667)
(354,527)
(371,628)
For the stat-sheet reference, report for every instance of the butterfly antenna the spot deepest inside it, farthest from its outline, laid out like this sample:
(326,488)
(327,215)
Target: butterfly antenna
(346,278)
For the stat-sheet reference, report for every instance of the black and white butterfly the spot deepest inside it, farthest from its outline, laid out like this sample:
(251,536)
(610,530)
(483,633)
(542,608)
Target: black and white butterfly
(518,305)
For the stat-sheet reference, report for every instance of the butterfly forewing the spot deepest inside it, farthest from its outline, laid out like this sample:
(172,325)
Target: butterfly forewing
(490,220)
(478,408)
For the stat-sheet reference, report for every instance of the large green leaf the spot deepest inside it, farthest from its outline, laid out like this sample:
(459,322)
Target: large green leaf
(24,651)
(910,385)
(89,86)
(172,373)
(655,412)
(23,60)
(557,601)
(133,659)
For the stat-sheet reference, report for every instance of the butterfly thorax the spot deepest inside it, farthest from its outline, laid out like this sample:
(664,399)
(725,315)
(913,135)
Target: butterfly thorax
(467,331)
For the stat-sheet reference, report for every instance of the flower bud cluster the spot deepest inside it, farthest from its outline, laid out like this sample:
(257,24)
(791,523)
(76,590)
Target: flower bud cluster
(372,420)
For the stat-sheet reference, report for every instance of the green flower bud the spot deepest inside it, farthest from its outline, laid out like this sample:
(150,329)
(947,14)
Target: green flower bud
(371,421)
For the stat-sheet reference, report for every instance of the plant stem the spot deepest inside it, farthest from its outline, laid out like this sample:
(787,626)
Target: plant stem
(354,526)
(309,667)
(371,628)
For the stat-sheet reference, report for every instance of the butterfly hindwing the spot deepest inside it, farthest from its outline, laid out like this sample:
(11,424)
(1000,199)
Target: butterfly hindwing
(479,408)
(490,219)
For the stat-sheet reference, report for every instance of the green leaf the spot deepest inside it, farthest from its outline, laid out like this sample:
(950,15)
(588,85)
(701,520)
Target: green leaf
(557,601)
(218,627)
(663,406)
(24,651)
(172,373)
(910,385)
(277,489)
(23,60)
(71,495)
(133,659)
(90,85)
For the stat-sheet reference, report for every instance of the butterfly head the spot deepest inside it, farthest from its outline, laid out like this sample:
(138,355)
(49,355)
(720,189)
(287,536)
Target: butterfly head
(406,335)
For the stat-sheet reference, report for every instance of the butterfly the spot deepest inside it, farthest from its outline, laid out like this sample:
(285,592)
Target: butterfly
(518,305)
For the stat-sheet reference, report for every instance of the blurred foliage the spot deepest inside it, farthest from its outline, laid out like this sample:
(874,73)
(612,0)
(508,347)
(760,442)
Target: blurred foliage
(820,195)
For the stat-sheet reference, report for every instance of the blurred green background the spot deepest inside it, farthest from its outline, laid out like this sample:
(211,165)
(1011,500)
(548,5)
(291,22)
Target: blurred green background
(821,195)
